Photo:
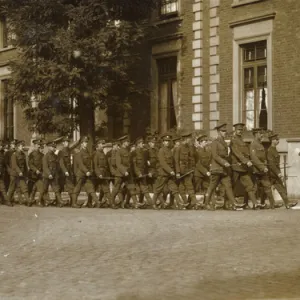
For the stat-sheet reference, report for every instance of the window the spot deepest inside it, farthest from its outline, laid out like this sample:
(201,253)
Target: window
(8,113)
(9,37)
(169,7)
(168,107)
(255,91)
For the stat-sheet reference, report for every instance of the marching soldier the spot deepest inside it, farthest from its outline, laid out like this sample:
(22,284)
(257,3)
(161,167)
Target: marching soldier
(259,160)
(184,167)
(276,176)
(4,197)
(241,162)
(19,174)
(203,160)
(141,169)
(8,153)
(220,172)
(166,173)
(102,171)
(124,174)
(35,165)
(84,173)
(51,174)
(152,161)
(65,163)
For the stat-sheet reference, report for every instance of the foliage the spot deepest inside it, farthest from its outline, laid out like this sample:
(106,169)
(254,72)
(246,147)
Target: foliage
(80,50)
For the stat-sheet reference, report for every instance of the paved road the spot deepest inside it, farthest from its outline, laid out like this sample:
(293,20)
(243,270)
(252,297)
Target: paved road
(52,253)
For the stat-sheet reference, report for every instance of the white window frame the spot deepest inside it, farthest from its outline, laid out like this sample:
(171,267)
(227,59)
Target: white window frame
(244,34)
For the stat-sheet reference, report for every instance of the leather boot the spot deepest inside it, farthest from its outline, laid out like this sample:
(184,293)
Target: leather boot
(59,202)
(73,199)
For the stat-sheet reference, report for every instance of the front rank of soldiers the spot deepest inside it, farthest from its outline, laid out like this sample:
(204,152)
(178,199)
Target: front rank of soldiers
(152,173)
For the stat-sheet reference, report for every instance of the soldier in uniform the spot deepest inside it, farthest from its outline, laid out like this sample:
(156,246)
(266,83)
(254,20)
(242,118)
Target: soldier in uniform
(84,173)
(19,174)
(65,163)
(124,174)
(35,165)
(166,173)
(241,163)
(51,174)
(152,161)
(102,171)
(184,159)
(141,169)
(8,153)
(3,195)
(259,160)
(220,169)
(203,159)
(276,176)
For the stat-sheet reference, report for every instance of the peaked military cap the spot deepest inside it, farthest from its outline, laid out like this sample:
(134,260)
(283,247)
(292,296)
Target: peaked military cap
(256,130)
(14,141)
(108,145)
(151,138)
(85,139)
(166,137)
(37,142)
(176,138)
(187,134)
(274,137)
(202,137)
(20,142)
(100,141)
(139,140)
(66,139)
(123,139)
(51,144)
(239,126)
(222,127)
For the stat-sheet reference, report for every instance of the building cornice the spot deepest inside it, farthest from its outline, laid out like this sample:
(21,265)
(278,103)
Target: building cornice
(254,19)
(169,37)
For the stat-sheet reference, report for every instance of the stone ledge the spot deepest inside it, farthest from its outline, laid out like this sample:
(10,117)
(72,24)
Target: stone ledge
(243,2)
(293,140)
(255,19)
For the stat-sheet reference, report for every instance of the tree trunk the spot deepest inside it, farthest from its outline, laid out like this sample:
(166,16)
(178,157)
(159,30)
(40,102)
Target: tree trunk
(87,120)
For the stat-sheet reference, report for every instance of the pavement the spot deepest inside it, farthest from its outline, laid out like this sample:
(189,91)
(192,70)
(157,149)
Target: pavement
(65,253)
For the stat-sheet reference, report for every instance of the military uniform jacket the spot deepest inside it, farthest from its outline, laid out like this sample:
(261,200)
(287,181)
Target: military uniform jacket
(203,160)
(240,154)
(183,159)
(112,162)
(35,163)
(101,164)
(152,158)
(139,158)
(84,163)
(64,157)
(166,161)
(219,150)
(273,159)
(18,163)
(8,156)
(123,162)
(258,156)
(2,164)
(50,165)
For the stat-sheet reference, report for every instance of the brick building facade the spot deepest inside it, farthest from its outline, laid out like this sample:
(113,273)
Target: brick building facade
(229,61)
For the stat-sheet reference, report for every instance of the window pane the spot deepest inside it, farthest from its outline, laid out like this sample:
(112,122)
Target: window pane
(249,100)
(248,77)
(250,120)
(169,6)
(249,54)
(261,76)
(261,52)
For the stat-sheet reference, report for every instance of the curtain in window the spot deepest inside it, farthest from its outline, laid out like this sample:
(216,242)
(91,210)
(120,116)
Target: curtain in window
(176,102)
(163,106)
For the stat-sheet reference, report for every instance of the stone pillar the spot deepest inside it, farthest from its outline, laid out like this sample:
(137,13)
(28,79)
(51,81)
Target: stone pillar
(293,172)
(197,116)
(214,78)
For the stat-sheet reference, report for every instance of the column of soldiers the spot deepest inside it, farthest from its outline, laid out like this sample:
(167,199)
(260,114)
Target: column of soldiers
(169,173)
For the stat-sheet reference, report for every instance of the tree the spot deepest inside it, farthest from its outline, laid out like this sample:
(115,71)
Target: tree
(73,56)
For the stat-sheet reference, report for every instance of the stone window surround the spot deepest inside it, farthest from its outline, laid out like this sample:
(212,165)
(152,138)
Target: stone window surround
(248,32)
(237,3)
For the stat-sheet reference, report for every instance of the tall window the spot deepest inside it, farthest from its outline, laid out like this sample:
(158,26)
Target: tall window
(168,106)
(9,36)
(169,7)
(255,92)
(8,113)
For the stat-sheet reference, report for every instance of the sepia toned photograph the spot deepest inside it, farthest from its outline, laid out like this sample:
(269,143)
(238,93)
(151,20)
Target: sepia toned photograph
(149,149)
